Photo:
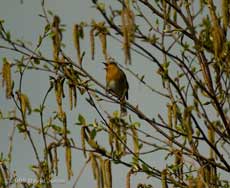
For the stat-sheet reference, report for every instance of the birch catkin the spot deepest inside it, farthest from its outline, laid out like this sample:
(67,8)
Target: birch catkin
(108,181)
(102,37)
(2,178)
(25,103)
(56,38)
(135,141)
(225,13)
(94,166)
(128,29)
(188,124)
(68,155)
(164,178)
(76,39)
(59,94)
(200,178)
(218,40)
(170,121)
(179,163)
(70,96)
(128,178)
(92,42)
(83,138)
(211,138)
(6,78)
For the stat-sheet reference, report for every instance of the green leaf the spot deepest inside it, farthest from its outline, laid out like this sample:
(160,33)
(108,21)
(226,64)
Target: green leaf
(193,70)
(182,88)
(8,35)
(142,78)
(81,32)
(179,128)
(51,34)
(206,103)
(81,120)
(116,114)
(38,110)
(4,59)
(47,28)
(46,67)
(136,124)
(140,146)
(145,168)
(1,116)
(36,61)
(186,46)
(93,133)
(39,40)
(21,128)
(135,163)
(50,12)
(57,129)
(153,39)
(157,22)
(1,21)
(101,6)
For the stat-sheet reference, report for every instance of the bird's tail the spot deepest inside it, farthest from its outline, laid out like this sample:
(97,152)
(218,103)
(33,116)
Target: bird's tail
(123,108)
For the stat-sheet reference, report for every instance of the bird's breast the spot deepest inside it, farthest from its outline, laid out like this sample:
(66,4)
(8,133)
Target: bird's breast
(112,85)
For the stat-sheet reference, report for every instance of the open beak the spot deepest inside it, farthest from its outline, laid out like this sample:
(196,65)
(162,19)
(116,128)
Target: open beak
(105,65)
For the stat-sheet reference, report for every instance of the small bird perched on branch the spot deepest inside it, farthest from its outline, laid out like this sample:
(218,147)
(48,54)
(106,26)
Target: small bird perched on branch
(116,81)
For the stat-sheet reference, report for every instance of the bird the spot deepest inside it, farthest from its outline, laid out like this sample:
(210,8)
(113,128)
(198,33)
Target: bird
(116,82)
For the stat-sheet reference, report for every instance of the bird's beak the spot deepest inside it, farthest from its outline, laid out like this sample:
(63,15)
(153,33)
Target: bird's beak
(105,65)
